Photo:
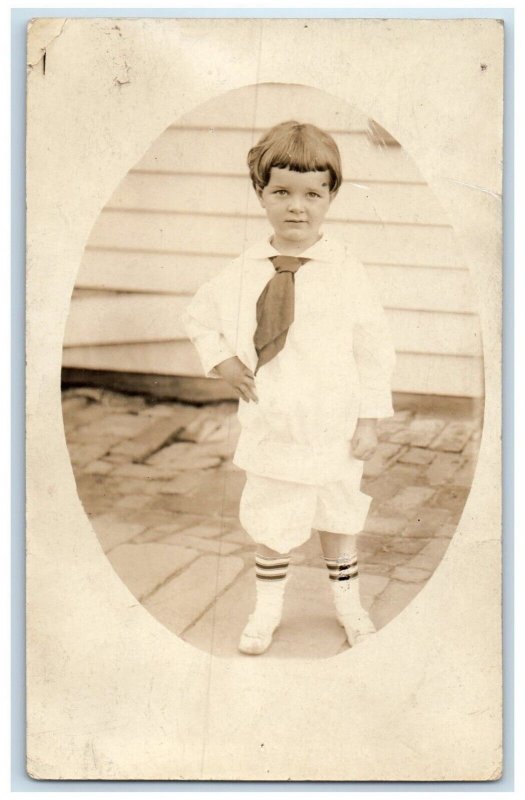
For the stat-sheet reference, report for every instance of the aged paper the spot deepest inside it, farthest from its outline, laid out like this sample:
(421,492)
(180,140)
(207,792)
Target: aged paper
(112,694)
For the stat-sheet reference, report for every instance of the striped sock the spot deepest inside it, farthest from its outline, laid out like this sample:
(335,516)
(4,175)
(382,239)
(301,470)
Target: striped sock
(270,583)
(271,569)
(344,582)
(343,568)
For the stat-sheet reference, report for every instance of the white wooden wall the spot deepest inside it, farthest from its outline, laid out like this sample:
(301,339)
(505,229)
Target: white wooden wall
(188,207)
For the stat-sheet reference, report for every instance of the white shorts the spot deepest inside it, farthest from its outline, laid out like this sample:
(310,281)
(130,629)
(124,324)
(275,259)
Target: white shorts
(281,514)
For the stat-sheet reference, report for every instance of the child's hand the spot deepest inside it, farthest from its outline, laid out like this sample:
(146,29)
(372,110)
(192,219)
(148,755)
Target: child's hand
(239,376)
(364,440)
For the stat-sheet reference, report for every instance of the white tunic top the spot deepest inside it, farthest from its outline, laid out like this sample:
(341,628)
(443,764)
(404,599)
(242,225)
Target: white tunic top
(335,367)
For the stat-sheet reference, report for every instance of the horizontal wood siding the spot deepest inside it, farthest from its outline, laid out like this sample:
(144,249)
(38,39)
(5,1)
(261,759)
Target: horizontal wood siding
(123,319)
(408,203)
(179,358)
(188,207)
(383,164)
(400,286)
(227,235)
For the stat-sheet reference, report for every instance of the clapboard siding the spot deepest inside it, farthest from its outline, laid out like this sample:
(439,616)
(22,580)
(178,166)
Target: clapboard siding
(133,270)
(177,218)
(462,377)
(362,160)
(228,235)
(122,318)
(424,289)
(198,194)
(438,374)
(401,286)
(122,321)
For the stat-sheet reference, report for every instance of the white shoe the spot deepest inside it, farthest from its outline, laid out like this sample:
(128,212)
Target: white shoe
(258,634)
(265,619)
(351,615)
(357,624)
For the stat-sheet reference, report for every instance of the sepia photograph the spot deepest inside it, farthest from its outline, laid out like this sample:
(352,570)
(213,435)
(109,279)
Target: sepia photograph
(263,420)
(362,348)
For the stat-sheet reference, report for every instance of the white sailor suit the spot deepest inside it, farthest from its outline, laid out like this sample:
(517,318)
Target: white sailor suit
(335,367)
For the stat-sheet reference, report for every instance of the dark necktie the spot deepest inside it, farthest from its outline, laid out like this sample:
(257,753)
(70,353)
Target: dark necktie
(275,308)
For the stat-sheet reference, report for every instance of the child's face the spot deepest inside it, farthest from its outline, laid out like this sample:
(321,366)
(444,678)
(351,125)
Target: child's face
(296,204)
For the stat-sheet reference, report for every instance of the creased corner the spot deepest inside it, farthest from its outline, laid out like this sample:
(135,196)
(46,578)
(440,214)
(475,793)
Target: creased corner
(41,33)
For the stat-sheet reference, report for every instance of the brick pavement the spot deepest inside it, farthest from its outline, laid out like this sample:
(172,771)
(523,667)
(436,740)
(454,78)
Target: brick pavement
(157,482)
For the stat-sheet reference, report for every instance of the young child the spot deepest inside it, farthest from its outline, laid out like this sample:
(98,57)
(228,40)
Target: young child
(293,326)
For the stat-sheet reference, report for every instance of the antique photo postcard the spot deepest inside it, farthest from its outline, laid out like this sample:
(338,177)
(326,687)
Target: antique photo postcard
(264,270)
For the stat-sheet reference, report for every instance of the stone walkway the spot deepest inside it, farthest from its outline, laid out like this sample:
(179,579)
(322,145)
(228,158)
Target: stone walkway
(157,482)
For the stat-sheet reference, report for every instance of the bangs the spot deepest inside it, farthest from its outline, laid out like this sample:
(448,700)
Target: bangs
(302,148)
(297,153)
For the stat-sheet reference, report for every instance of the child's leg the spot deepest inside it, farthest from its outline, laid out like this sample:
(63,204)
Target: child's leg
(278,513)
(271,570)
(340,554)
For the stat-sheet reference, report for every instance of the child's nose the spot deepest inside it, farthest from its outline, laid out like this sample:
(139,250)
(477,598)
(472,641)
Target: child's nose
(295,203)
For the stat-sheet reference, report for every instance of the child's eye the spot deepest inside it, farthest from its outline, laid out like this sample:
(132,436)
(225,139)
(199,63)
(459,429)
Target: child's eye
(313,194)
(280,192)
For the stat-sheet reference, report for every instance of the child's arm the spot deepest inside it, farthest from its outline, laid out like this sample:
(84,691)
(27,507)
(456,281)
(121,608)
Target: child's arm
(375,359)
(203,324)
(374,352)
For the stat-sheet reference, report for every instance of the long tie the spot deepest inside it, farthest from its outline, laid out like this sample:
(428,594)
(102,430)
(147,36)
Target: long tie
(275,308)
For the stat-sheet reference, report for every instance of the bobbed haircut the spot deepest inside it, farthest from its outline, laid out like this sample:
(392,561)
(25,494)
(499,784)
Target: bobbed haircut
(301,147)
